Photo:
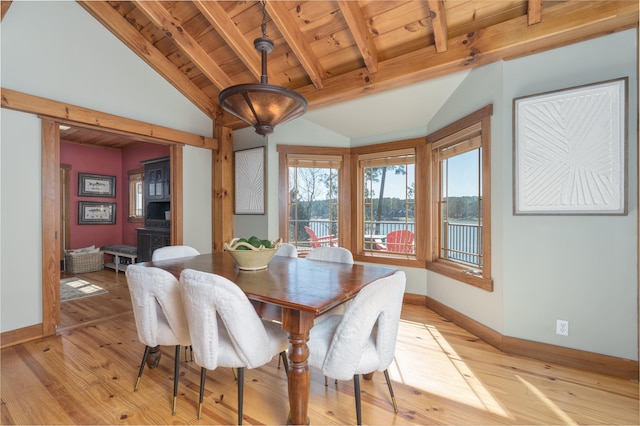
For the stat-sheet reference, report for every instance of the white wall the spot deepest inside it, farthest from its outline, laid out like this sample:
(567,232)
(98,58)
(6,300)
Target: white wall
(20,221)
(577,268)
(56,50)
(196,202)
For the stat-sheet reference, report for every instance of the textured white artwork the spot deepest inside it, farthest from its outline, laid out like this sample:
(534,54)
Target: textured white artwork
(570,151)
(249,165)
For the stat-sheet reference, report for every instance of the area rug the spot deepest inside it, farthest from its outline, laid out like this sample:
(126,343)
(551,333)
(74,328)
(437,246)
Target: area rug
(76,288)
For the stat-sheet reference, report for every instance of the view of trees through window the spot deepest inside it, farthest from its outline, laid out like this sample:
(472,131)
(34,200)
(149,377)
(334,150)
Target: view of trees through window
(313,206)
(389,204)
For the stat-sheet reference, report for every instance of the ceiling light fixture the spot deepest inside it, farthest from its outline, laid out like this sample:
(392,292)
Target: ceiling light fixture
(263,105)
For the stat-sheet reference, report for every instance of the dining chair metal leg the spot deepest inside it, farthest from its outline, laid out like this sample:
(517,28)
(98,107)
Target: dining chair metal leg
(326,383)
(203,378)
(176,374)
(144,361)
(356,394)
(240,393)
(393,397)
(285,362)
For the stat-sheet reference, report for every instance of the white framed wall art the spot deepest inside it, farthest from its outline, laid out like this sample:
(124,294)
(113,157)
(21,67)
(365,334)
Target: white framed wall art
(570,151)
(249,181)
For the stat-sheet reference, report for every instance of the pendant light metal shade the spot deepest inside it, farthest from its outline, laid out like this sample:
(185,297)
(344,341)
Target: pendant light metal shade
(262,105)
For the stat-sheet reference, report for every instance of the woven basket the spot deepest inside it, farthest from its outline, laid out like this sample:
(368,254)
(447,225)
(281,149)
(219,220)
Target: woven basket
(80,263)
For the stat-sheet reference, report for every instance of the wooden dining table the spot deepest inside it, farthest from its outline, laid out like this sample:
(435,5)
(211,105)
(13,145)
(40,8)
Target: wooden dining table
(293,291)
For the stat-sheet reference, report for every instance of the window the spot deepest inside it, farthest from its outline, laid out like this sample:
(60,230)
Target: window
(388,201)
(313,197)
(460,207)
(136,207)
(386,226)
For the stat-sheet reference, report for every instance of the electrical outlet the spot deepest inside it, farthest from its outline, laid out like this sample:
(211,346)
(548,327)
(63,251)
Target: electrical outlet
(562,327)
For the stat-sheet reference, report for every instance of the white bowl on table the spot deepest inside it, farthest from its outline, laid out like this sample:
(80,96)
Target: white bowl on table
(251,259)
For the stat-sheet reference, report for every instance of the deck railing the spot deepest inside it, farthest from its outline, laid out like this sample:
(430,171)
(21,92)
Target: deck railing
(462,240)
(462,243)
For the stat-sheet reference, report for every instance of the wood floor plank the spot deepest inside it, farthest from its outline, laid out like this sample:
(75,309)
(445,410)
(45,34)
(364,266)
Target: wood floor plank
(441,374)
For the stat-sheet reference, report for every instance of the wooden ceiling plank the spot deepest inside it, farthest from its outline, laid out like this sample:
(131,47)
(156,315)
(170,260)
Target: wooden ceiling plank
(534,12)
(4,8)
(439,24)
(358,27)
(187,44)
(281,17)
(76,115)
(121,28)
(564,23)
(218,18)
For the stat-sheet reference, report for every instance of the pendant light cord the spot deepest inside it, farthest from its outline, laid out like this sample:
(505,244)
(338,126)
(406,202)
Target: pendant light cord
(264,18)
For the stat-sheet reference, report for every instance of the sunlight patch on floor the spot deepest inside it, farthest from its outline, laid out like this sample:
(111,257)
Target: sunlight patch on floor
(564,417)
(83,286)
(446,375)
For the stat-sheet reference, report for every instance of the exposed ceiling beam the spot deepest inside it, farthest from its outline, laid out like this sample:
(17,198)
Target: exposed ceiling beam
(122,29)
(4,8)
(296,41)
(569,23)
(358,27)
(439,24)
(534,12)
(19,101)
(172,28)
(217,17)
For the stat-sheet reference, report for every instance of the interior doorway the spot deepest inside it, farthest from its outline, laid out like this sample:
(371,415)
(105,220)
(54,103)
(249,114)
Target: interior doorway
(56,194)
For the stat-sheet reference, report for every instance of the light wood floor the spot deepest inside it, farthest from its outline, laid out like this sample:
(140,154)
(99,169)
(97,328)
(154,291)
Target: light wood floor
(441,375)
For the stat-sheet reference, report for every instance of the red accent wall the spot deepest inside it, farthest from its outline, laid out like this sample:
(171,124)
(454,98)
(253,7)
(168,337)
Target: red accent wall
(101,161)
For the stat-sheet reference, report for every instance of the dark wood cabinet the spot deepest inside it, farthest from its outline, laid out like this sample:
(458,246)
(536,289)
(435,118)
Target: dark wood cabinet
(157,180)
(150,239)
(157,204)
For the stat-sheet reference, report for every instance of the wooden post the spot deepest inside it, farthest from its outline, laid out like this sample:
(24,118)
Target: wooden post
(50,227)
(223,184)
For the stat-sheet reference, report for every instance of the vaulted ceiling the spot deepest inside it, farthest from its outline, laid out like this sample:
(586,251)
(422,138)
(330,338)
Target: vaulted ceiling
(332,51)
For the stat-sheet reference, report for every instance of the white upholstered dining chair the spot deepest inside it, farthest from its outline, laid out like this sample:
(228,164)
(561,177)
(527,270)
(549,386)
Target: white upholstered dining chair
(159,315)
(287,250)
(225,329)
(362,340)
(331,254)
(172,252)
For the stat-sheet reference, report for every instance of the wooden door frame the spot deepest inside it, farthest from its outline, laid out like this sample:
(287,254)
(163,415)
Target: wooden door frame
(53,113)
(50,226)
(51,222)
(65,199)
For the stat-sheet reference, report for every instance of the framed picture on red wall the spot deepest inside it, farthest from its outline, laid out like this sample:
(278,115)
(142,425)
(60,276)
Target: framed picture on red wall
(90,185)
(96,213)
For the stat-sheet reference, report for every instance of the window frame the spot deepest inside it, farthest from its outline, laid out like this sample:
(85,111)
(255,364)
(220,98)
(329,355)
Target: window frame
(450,135)
(417,259)
(133,217)
(308,153)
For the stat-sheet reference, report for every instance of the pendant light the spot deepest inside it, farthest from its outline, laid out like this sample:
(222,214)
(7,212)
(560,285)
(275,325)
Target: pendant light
(263,105)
